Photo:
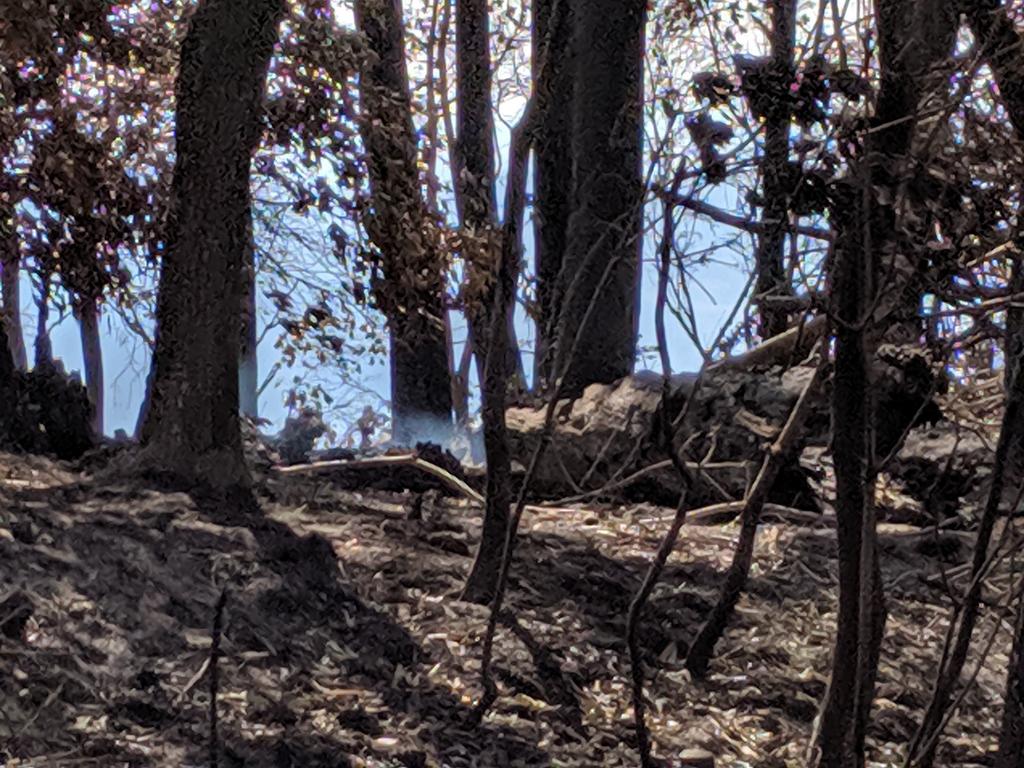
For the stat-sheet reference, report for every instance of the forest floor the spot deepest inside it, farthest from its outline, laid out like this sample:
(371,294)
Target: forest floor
(345,644)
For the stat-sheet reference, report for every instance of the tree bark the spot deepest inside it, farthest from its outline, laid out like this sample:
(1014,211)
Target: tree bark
(1011,735)
(771,246)
(850,413)
(10,285)
(552,151)
(192,431)
(477,198)
(483,577)
(474,118)
(1003,49)
(605,226)
(248,364)
(88,314)
(913,38)
(7,365)
(43,346)
(412,293)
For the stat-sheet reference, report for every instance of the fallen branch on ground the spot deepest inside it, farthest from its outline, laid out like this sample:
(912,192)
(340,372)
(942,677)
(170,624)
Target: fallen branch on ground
(778,349)
(379,462)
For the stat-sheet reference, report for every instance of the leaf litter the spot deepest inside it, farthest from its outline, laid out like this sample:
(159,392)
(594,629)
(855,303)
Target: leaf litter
(345,643)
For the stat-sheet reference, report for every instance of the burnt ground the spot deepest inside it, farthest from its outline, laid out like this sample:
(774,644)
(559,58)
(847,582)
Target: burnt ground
(344,643)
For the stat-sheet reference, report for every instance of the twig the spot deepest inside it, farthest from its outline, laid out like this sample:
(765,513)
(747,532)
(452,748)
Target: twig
(193,681)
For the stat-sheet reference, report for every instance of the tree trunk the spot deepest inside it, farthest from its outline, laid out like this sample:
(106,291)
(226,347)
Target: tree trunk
(412,293)
(192,428)
(10,286)
(43,347)
(483,577)
(248,364)
(602,256)
(771,246)
(1011,736)
(88,314)
(913,38)
(1003,49)
(552,152)
(850,412)
(7,366)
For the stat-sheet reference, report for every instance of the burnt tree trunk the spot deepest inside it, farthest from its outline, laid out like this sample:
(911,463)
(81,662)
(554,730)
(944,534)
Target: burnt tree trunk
(552,152)
(771,245)
(10,285)
(913,39)
(850,413)
(7,365)
(88,313)
(1003,49)
(1011,735)
(192,427)
(484,583)
(483,577)
(602,256)
(43,346)
(412,293)
(248,363)
(475,147)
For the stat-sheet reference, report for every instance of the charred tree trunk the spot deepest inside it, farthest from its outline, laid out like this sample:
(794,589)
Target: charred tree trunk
(1011,736)
(771,246)
(43,346)
(913,39)
(485,582)
(88,314)
(475,143)
(10,286)
(7,365)
(483,578)
(850,413)
(192,427)
(248,363)
(412,293)
(477,200)
(552,154)
(1003,48)
(604,232)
